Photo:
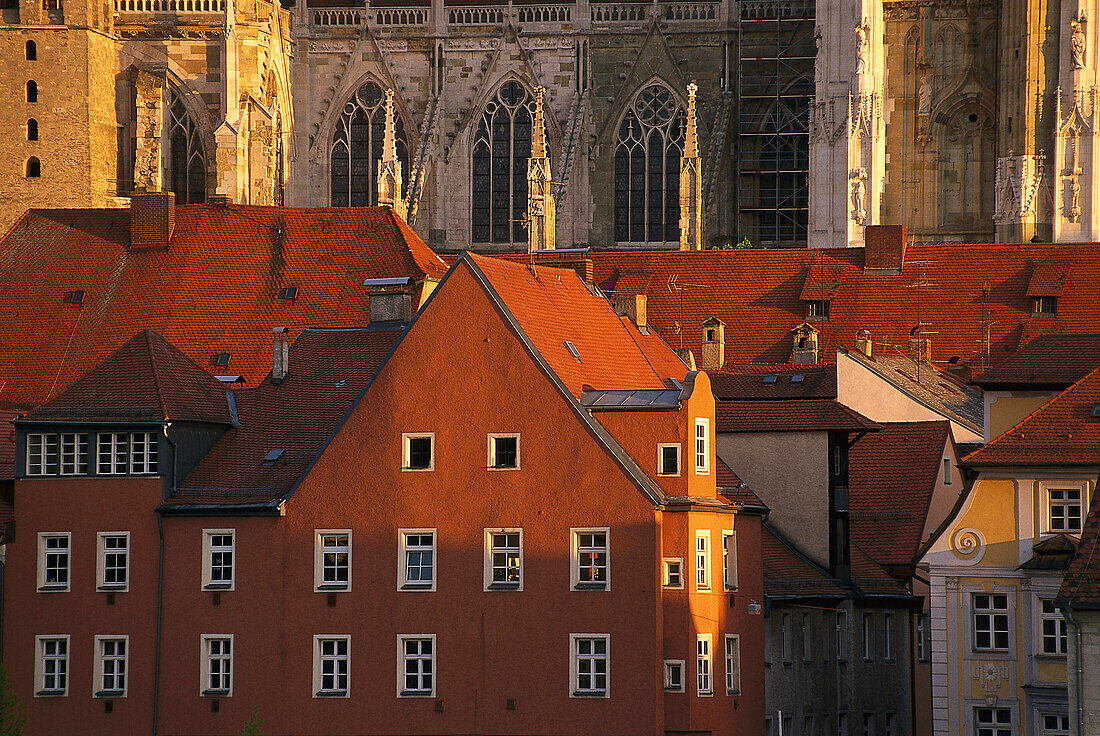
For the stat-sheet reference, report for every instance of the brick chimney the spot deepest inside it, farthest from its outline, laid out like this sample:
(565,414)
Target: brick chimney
(632,306)
(885,249)
(863,342)
(280,356)
(920,345)
(152,219)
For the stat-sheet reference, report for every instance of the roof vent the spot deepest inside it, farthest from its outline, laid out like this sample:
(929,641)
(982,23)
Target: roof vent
(288,292)
(770,379)
(797,378)
(1095,411)
(573,351)
(74,297)
(230,379)
(274,455)
(220,359)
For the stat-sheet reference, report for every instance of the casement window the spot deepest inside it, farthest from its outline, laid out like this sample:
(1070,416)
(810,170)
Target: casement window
(331,666)
(219,559)
(888,637)
(703,657)
(990,616)
(1045,306)
(785,637)
(674,572)
(589,673)
(332,559)
(416,665)
(53,562)
(113,561)
(119,453)
(418,451)
(807,638)
(1064,510)
(808,725)
(43,454)
(668,459)
(111,654)
(842,635)
(1054,724)
(702,446)
(702,560)
(868,636)
(217,665)
(733,664)
(51,675)
(729,558)
(868,724)
(503,451)
(993,722)
(417,559)
(947,471)
(1053,629)
(674,675)
(817,310)
(924,623)
(503,559)
(591,559)
(891,725)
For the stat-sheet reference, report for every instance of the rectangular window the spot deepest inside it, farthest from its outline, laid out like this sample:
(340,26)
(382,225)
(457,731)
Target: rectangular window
(1053,629)
(674,573)
(785,636)
(807,638)
(868,636)
(1054,724)
(992,722)
(504,559)
(218,554)
(590,671)
(417,560)
(808,725)
(503,451)
(332,559)
(868,724)
(704,681)
(52,665)
(947,471)
(891,725)
(53,562)
(668,460)
(1045,305)
(119,453)
(924,622)
(888,637)
(1065,510)
(702,446)
(990,614)
(74,454)
(733,664)
(591,559)
(331,666)
(674,675)
(111,653)
(42,454)
(418,451)
(841,635)
(417,666)
(702,560)
(113,561)
(729,558)
(143,452)
(217,665)
(817,310)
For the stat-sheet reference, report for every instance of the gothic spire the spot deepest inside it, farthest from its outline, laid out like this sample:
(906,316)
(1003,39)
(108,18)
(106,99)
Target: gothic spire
(540,196)
(389,167)
(691,182)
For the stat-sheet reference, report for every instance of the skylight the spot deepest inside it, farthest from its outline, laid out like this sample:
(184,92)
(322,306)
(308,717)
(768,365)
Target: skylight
(797,378)
(1095,411)
(288,292)
(573,351)
(74,297)
(274,455)
(770,378)
(221,359)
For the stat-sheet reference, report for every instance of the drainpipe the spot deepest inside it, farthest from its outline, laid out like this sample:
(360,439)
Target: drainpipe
(1067,612)
(160,583)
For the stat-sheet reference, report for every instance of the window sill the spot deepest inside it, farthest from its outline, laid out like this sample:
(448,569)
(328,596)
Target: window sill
(56,588)
(590,586)
(733,692)
(788,664)
(215,693)
(589,693)
(110,694)
(331,587)
(503,467)
(417,470)
(418,586)
(707,694)
(218,586)
(113,588)
(417,694)
(674,690)
(1050,656)
(993,653)
(503,586)
(50,694)
(331,694)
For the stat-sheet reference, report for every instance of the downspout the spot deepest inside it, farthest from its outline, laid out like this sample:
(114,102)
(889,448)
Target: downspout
(160,583)
(1067,612)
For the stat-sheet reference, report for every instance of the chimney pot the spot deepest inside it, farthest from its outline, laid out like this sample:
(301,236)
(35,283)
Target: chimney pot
(632,306)
(280,356)
(152,219)
(884,251)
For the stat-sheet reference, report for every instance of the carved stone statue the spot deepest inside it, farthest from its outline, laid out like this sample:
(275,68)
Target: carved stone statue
(863,43)
(924,96)
(1077,41)
(859,195)
(1075,199)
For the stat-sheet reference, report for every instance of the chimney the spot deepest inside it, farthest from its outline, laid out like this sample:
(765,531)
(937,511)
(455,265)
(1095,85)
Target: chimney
(920,345)
(863,342)
(804,350)
(713,355)
(219,200)
(390,306)
(687,358)
(152,219)
(280,356)
(632,306)
(884,253)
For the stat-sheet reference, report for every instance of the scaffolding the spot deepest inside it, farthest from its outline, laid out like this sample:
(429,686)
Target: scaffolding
(775,89)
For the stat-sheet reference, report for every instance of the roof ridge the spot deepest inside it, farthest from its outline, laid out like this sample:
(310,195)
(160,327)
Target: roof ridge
(154,370)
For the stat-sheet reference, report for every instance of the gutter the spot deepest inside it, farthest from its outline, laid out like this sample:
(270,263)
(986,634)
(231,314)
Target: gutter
(272,508)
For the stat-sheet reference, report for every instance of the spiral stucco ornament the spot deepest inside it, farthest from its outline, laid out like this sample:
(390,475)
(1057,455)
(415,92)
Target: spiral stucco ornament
(968,544)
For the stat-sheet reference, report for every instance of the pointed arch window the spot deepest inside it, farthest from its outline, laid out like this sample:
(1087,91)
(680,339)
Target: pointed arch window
(647,168)
(357,148)
(502,145)
(186,160)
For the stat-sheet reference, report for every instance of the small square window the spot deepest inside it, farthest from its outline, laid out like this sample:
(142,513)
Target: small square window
(1064,510)
(331,666)
(1054,724)
(416,665)
(817,310)
(416,561)
(217,665)
(503,451)
(52,666)
(418,452)
(53,562)
(668,459)
(219,559)
(503,559)
(113,561)
(332,560)
(674,675)
(111,666)
(674,572)
(589,675)
(591,559)
(1045,306)
(992,722)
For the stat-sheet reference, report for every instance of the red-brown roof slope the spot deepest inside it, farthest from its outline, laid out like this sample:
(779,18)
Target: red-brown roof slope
(891,476)
(783,381)
(328,370)
(1081,584)
(146,378)
(1053,361)
(733,488)
(1062,431)
(793,415)
(869,577)
(966,290)
(790,574)
(215,289)
(610,352)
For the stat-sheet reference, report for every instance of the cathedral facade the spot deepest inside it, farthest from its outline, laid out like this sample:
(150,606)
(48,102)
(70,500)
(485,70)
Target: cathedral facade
(966,120)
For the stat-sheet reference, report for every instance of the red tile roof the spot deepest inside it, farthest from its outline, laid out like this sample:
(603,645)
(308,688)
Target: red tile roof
(1046,361)
(790,574)
(215,289)
(1047,279)
(1060,432)
(145,379)
(870,579)
(733,488)
(747,381)
(795,415)
(1081,584)
(821,282)
(891,476)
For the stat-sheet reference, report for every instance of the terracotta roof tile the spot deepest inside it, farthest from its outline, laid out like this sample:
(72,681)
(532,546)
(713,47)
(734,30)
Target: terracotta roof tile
(795,415)
(1047,279)
(869,577)
(1046,361)
(822,280)
(733,488)
(1081,584)
(790,574)
(748,381)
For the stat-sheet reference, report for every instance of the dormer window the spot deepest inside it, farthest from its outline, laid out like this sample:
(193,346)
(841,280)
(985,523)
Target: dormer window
(817,310)
(121,453)
(1044,306)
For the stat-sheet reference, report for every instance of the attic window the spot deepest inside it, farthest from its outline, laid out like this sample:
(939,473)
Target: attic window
(74,297)
(797,378)
(221,360)
(274,455)
(770,379)
(288,292)
(817,310)
(1045,306)
(1095,411)
(711,335)
(573,351)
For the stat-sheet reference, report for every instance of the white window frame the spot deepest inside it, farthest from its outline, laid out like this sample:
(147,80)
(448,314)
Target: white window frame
(733,664)
(704,665)
(40,689)
(1047,489)
(842,635)
(994,728)
(1063,719)
(575,581)
(702,559)
(144,463)
(488,583)
(491,458)
(661,459)
(670,666)
(575,690)
(947,471)
(406,451)
(992,613)
(320,585)
(704,468)
(888,637)
(729,552)
(924,625)
(1061,637)
(38,452)
(402,659)
(43,556)
(101,562)
(403,582)
(100,659)
(785,633)
(666,572)
(868,637)
(80,453)
(807,638)
(109,442)
(206,660)
(208,549)
(318,641)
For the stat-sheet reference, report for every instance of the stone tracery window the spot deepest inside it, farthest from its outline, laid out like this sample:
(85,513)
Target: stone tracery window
(647,168)
(357,148)
(502,146)
(186,175)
